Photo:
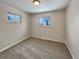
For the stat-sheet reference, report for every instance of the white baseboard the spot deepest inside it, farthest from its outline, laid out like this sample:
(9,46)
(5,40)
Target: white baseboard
(73,57)
(14,44)
(45,38)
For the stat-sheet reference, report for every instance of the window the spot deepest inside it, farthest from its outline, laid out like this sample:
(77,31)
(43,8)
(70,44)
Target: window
(10,18)
(17,18)
(14,18)
(45,21)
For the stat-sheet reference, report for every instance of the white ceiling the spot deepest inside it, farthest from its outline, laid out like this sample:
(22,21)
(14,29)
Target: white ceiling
(45,5)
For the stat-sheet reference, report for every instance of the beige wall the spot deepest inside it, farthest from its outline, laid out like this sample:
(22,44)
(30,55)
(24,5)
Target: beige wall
(72,28)
(55,33)
(12,33)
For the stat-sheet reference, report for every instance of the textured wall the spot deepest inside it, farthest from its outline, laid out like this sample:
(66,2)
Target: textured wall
(55,32)
(72,28)
(12,33)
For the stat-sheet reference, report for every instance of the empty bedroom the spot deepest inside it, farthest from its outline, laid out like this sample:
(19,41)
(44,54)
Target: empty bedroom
(39,29)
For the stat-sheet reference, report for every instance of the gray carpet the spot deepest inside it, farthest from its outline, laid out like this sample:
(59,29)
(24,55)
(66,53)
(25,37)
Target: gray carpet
(34,48)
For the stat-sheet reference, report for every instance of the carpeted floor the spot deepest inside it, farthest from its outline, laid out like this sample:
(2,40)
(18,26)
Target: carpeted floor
(34,48)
